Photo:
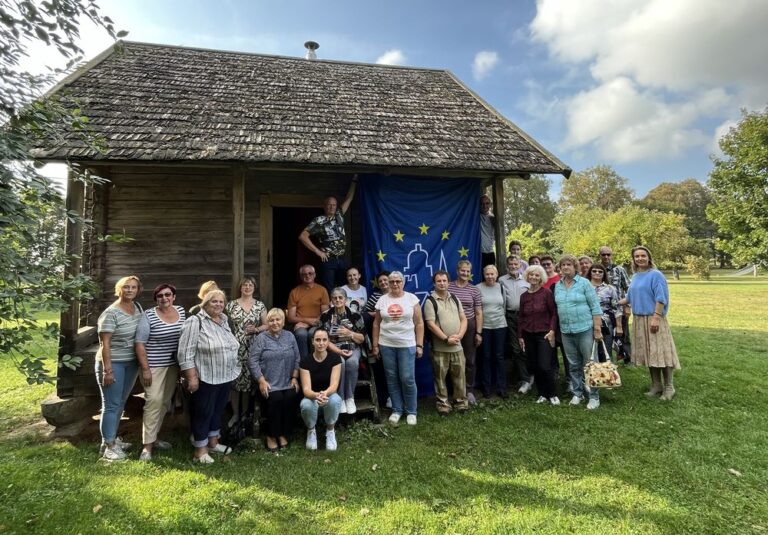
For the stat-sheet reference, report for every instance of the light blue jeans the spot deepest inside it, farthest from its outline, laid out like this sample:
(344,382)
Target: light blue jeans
(400,369)
(310,410)
(578,351)
(114,396)
(350,369)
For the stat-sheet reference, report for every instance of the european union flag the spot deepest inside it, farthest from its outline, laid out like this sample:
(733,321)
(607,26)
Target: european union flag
(417,226)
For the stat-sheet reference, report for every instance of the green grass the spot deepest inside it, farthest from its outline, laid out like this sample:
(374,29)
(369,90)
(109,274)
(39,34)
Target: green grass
(634,466)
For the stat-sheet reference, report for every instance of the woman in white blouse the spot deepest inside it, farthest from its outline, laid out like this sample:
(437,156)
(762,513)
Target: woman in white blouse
(208,359)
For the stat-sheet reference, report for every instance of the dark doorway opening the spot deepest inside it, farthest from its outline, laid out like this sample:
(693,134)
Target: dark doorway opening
(289,253)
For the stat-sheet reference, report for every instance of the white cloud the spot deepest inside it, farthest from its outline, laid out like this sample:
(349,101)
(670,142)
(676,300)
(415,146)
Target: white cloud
(720,131)
(392,57)
(484,63)
(657,69)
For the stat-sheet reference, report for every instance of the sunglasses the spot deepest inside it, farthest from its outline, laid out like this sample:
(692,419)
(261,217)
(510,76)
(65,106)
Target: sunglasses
(166,294)
(395,282)
(606,254)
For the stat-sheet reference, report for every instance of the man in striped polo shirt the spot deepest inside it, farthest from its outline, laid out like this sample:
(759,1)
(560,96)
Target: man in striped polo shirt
(469,297)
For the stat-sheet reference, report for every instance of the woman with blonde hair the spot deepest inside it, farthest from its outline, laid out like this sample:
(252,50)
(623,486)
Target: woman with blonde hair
(652,342)
(208,359)
(206,287)
(116,364)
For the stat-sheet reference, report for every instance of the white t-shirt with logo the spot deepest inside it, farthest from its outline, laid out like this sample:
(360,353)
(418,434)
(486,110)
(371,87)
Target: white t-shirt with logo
(397,327)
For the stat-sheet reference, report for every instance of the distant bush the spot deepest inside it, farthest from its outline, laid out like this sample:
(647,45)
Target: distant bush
(698,266)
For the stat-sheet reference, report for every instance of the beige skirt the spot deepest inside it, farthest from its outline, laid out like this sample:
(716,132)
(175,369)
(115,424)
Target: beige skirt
(655,350)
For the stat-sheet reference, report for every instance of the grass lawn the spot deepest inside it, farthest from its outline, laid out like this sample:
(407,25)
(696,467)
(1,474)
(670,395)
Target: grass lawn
(695,465)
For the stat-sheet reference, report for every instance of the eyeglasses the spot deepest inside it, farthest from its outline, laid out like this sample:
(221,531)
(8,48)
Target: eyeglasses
(307,273)
(396,281)
(546,264)
(166,294)
(606,254)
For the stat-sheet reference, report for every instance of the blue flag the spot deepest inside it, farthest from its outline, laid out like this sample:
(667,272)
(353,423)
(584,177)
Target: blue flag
(418,226)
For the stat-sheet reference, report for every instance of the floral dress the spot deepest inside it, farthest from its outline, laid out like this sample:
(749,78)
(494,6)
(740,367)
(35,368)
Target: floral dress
(238,318)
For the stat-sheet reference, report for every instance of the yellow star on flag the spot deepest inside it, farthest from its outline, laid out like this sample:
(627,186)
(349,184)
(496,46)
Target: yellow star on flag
(380,255)
(423,228)
(399,236)
(446,234)
(463,252)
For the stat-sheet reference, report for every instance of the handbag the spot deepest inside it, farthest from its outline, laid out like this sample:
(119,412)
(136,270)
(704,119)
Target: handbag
(601,374)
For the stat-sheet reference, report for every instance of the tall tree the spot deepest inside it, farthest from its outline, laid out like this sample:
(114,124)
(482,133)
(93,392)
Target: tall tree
(528,202)
(30,271)
(597,187)
(689,198)
(739,184)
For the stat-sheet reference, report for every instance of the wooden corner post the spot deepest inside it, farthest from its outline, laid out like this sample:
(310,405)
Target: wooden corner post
(498,222)
(238,220)
(75,203)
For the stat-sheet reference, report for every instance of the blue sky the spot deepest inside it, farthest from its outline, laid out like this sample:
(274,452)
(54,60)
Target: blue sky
(646,86)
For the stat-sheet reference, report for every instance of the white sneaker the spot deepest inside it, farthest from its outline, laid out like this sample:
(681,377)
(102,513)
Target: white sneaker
(541,399)
(575,400)
(125,446)
(593,404)
(554,400)
(343,408)
(525,388)
(388,404)
(330,440)
(410,419)
(145,456)
(311,440)
(114,453)
(203,459)
(394,418)
(351,407)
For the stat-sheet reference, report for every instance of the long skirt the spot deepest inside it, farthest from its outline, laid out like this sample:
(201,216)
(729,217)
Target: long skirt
(654,350)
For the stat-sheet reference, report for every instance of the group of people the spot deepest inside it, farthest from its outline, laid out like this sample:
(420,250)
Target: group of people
(226,350)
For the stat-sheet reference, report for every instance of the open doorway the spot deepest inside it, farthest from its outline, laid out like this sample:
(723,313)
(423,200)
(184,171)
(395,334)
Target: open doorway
(289,253)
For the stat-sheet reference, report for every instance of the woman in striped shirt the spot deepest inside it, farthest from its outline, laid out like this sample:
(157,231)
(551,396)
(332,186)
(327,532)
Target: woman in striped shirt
(157,342)
(208,358)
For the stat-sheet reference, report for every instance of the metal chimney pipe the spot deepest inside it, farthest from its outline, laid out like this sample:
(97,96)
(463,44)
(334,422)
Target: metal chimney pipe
(311,46)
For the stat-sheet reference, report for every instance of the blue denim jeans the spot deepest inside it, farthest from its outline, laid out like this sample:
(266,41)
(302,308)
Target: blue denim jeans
(114,396)
(310,410)
(332,273)
(303,336)
(578,351)
(494,342)
(205,411)
(400,369)
(350,369)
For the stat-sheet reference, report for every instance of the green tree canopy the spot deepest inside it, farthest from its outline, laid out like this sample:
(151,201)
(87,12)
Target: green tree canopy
(527,201)
(689,198)
(32,260)
(583,230)
(533,241)
(739,184)
(597,187)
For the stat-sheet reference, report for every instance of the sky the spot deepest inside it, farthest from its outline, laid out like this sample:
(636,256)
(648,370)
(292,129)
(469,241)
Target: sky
(646,86)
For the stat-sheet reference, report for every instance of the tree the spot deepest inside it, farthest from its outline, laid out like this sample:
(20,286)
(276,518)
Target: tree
(32,260)
(528,202)
(597,187)
(582,231)
(689,198)
(533,241)
(739,184)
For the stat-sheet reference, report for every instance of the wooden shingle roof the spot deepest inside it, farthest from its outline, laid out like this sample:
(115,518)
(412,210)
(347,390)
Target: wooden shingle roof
(170,104)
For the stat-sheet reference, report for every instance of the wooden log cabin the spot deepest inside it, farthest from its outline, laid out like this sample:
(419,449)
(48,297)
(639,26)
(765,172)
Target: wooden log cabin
(214,161)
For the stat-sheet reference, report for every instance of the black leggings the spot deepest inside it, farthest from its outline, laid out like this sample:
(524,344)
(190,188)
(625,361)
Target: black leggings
(539,353)
(281,408)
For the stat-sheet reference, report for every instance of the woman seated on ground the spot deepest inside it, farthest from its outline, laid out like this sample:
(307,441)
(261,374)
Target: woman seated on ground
(398,336)
(206,287)
(609,304)
(580,320)
(208,359)
(536,324)
(652,342)
(116,364)
(346,332)
(157,342)
(247,316)
(357,294)
(494,333)
(320,376)
(274,363)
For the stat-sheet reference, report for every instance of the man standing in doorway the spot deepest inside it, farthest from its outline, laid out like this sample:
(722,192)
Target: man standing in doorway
(487,232)
(306,303)
(618,277)
(325,237)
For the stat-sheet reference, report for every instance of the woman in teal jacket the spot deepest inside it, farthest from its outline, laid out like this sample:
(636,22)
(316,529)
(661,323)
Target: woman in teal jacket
(580,325)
